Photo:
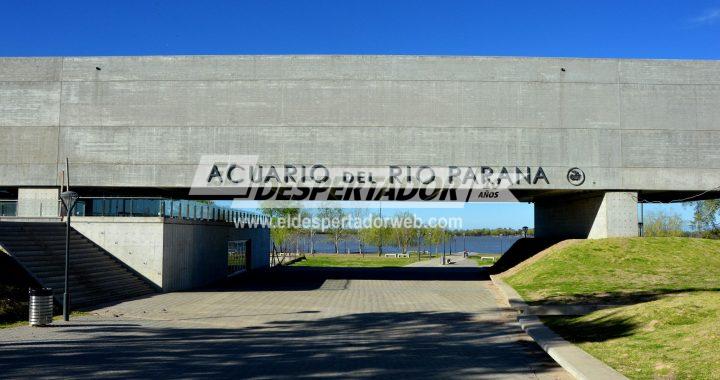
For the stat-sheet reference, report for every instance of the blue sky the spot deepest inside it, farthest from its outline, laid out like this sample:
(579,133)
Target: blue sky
(648,29)
(614,29)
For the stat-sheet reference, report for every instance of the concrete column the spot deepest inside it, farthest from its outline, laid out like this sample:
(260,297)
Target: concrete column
(591,216)
(38,202)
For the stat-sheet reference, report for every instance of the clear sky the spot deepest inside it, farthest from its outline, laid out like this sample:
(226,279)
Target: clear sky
(570,28)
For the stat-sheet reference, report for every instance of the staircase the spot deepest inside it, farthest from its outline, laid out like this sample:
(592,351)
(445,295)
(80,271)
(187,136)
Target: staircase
(96,277)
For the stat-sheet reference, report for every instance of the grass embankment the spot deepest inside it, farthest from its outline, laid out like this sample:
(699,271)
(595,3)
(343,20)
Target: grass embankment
(13,305)
(356,261)
(670,326)
(13,293)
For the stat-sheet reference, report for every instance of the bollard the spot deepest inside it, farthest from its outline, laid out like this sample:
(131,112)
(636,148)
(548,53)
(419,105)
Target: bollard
(41,306)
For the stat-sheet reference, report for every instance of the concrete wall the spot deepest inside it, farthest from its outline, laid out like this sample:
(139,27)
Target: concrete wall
(137,241)
(594,216)
(38,202)
(174,255)
(196,253)
(145,121)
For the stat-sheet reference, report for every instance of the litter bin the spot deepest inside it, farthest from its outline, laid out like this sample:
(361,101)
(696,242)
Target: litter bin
(41,306)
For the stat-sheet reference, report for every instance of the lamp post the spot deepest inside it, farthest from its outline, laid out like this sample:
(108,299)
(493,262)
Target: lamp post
(68,199)
(443,256)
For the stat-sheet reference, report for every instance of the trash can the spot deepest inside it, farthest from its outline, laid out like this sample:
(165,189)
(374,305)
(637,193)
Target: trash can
(41,306)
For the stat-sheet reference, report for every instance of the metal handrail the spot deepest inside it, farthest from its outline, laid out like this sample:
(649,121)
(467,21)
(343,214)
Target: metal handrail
(156,206)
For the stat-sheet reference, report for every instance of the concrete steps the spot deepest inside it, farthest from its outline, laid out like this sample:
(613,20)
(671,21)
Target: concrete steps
(96,277)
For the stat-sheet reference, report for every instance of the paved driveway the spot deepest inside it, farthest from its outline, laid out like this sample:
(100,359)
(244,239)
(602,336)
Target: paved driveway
(401,323)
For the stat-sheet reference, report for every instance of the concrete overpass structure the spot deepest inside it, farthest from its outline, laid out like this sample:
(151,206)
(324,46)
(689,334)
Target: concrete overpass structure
(138,125)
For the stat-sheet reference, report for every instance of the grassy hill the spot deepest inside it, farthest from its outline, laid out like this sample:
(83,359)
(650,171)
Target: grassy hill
(669,326)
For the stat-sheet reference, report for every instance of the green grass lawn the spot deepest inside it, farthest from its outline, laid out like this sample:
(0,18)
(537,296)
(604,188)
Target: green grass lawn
(484,263)
(356,261)
(621,271)
(670,326)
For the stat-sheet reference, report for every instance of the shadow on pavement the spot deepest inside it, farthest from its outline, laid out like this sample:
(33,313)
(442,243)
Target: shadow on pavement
(408,345)
(311,278)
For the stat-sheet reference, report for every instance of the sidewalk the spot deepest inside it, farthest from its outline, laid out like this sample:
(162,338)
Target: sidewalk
(457,262)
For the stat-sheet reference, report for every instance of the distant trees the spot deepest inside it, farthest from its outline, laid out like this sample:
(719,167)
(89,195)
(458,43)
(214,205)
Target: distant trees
(705,218)
(282,230)
(333,220)
(496,232)
(372,234)
(403,230)
(660,223)
(434,236)
(376,232)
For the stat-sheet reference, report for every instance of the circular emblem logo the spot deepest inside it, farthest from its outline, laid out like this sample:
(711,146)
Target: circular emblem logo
(576,177)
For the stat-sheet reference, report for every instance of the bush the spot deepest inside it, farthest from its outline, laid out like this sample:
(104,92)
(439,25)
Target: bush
(14,284)
(13,304)
(663,224)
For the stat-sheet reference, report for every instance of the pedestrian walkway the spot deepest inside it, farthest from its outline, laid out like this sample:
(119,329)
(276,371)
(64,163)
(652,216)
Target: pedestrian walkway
(410,323)
(456,261)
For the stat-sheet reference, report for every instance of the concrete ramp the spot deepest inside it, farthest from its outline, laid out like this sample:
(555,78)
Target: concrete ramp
(96,277)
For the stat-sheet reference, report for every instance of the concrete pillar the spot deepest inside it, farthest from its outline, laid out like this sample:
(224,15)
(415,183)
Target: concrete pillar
(591,216)
(38,202)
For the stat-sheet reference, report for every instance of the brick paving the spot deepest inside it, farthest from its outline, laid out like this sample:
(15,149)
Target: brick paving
(293,323)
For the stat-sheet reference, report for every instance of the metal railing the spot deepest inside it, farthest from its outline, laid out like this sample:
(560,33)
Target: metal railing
(171,208)
(48,208)
(135,207)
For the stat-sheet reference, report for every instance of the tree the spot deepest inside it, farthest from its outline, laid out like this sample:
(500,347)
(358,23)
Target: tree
(403,230)
(434,236)
(358,215)
(309,231)
(705,218)
(333,220)
(281,229)
(301,231)
(663,224)
(377,233)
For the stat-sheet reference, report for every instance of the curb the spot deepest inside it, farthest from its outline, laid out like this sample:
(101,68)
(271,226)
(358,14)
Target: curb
(577,362)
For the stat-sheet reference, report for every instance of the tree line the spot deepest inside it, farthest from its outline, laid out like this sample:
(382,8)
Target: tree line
(704,224)
(402,230)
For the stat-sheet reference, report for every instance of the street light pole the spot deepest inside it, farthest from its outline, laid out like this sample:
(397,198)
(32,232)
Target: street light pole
(68,199)
(66,294)
(443,257)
